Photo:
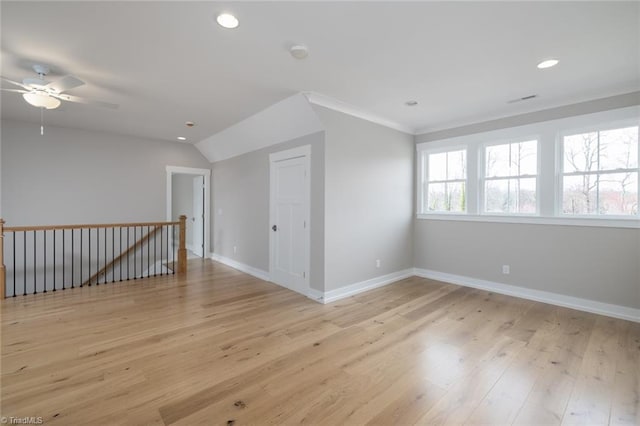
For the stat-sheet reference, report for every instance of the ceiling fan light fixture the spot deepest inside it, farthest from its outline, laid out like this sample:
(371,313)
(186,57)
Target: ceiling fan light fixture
(41,100)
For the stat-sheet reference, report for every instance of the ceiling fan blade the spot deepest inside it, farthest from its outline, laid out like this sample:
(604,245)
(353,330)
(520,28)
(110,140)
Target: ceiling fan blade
(16,83)
(65,83)
(13,90)
(77,99)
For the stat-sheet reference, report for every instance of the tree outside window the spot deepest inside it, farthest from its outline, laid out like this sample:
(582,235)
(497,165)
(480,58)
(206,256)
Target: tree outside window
(445,184)
(510,180)
(600,172)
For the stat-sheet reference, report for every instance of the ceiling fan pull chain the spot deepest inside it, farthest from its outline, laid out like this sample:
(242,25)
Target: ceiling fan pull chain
(41,121)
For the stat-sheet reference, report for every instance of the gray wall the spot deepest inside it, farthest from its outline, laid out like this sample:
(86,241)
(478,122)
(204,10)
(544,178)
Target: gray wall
(182,201)
(240,206)
(76,176)
(368,199)
(589,107)
(601,264)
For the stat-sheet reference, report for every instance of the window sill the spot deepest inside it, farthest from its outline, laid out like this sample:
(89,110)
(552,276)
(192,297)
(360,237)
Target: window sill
(536,220)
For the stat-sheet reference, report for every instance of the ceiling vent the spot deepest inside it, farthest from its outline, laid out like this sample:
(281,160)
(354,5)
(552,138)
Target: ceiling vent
(524,98)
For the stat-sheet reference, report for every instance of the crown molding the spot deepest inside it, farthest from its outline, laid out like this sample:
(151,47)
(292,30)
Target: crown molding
(345,108)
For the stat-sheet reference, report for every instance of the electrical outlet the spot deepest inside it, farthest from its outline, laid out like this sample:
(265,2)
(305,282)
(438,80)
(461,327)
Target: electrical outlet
(377,263)
(235,249)
(506,269)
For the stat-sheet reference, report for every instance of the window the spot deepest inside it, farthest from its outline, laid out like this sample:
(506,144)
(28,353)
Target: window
(444,181)
(581,170)
(600,172)
(510,178)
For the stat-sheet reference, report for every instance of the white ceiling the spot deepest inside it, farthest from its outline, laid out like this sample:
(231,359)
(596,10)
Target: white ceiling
(169,62)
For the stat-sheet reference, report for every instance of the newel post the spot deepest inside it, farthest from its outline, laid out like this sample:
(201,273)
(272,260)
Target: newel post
(182,248)
(3,271)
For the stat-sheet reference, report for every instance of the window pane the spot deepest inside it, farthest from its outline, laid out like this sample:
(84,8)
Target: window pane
(457,161)
(456,197)
(437,197)
(619,149)
(496,195)
(580,152)
(524,158)
(438,166)
(525,195)
(579,194)
(619,193)
(497,160)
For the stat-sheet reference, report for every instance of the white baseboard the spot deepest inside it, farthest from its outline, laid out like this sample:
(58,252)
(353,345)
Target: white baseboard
(316,295)
(586,305)
(258,273)
(616,311)
(362,286)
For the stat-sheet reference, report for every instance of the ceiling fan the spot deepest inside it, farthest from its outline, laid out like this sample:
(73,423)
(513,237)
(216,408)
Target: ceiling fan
(40,93)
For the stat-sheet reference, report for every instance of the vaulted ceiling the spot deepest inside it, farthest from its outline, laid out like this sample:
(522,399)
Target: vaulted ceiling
(165,63)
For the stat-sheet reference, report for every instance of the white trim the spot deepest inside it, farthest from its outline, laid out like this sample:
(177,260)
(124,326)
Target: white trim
(362,286)
(315,295)
(535,220)
(258,273)
(482,173)
(297,152)
(422,166)
(531,116)
(188,170)
(345,108)
(594,128)
(549,178)
(615,311)
(206,173)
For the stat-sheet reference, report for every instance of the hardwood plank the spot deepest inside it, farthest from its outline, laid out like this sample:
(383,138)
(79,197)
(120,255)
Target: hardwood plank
(219,346)
(547,401)
(625,409)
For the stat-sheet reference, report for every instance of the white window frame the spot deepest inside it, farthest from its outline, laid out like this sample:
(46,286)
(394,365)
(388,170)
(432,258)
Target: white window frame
(483,175)
(548,186)
(596,128)
(423,179)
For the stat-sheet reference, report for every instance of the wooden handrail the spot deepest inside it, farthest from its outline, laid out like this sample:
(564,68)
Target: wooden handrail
(135,246)
(3,271)
(97,225)
(182,249)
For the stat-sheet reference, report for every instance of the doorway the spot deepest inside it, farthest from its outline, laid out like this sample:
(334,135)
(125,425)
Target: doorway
(289,237)
(188,194)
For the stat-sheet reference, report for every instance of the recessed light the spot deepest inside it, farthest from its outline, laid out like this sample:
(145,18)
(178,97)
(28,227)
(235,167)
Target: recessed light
(182,138)
(411,103)
(548,63)
(227,20)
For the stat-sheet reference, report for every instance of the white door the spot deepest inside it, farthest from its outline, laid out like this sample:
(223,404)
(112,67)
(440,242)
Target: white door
(198,216)
(289,212)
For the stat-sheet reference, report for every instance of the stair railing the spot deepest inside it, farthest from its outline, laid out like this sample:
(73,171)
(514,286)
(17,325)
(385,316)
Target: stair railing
(41,259)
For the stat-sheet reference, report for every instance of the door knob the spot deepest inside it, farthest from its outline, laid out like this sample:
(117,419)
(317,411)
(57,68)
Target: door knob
(274,227)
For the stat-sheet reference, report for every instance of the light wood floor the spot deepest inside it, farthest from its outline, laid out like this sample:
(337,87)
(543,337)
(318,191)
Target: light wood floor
(221,347)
